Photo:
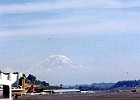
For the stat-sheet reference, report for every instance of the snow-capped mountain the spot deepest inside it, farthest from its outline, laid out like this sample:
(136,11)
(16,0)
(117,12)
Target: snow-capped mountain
(57,68)
(59,61)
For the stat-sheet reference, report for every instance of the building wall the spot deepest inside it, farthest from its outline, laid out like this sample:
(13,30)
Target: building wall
(13,77)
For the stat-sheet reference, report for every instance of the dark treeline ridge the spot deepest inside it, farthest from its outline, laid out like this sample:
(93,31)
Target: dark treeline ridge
(120,85)
(93,86)
(31,79)
(126,84)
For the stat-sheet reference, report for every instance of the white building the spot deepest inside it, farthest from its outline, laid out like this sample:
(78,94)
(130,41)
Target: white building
(6,92)
(62,91)
(9,81)
(14,78)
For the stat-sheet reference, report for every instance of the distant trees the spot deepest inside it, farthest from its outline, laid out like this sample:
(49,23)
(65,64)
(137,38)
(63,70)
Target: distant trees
(61,85)
(87,87)
(129,83)
(93,86)
(33,80)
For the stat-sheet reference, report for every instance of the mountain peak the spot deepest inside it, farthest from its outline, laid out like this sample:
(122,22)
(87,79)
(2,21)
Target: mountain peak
(59,58)
(58,68)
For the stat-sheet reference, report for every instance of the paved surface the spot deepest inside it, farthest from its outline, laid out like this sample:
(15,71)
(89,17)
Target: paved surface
(93,96)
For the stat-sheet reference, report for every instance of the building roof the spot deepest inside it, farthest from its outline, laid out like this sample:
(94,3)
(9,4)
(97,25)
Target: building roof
(67,90)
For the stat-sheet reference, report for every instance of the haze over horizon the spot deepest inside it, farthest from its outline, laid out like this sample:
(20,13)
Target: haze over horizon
(99,35)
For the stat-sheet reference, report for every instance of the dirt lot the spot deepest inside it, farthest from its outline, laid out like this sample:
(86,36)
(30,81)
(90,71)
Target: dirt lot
(93,96)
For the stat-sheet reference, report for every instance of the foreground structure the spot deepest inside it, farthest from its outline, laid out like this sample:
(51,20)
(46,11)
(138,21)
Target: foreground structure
(6,90)
(11,84)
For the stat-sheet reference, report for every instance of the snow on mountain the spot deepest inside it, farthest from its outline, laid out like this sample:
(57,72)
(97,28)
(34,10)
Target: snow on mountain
(60,61)
(57,69)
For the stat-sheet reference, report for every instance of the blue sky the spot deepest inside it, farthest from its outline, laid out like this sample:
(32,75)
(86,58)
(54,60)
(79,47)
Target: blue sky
(102,34)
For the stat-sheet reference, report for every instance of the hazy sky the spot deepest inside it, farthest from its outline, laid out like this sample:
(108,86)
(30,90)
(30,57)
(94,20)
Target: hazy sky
(101,34)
